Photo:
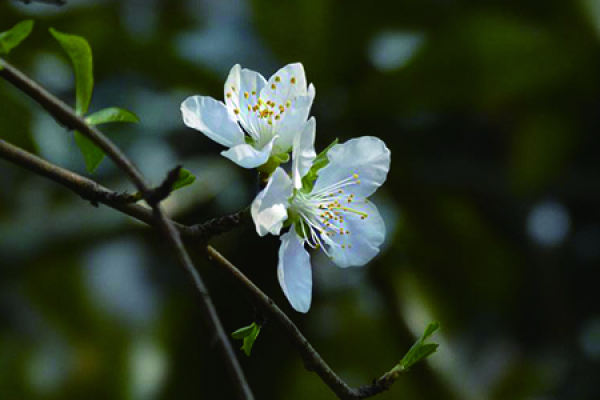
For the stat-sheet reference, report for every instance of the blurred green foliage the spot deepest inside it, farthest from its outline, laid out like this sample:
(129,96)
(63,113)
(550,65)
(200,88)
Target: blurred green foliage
(490,109)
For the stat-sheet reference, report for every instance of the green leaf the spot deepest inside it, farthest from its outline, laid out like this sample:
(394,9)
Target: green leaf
(80,53)
(185,178)
(92,154)
(420,350)
(319,162)
(14,36)
(248,334)
(111,114)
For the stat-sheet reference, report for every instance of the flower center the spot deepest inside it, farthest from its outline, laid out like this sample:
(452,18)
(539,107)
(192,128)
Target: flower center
(257,113)
(323,214)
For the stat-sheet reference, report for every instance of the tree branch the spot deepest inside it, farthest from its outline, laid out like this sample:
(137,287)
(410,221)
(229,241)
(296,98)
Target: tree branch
(67,116)
(89,189)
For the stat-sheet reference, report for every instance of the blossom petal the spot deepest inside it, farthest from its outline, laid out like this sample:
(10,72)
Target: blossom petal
(285,84)
(294,271)
(210,117)
(293,119)
(247,156)
(269,208)
(303,152)
(365,237)
(366,156)
(242,88)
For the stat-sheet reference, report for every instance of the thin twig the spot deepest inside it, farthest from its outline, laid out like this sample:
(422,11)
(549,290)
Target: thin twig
(87,189)
(67,116)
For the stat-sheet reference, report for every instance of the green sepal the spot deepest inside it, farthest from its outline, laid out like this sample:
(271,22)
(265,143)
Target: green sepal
(320,161)
(14,36)
(248,334)
(272,163)
(111,114)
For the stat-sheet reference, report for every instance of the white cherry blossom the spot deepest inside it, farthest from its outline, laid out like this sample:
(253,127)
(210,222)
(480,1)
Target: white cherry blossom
(259,118)
(335,217)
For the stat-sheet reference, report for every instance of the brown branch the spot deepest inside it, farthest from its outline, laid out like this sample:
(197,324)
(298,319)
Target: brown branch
(67,116)
(89,189)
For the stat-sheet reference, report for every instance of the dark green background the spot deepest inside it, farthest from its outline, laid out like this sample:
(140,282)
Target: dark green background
(491,111)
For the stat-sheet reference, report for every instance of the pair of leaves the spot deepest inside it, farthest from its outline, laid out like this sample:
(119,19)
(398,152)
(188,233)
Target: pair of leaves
(420,350)
(80,53)
(248,335)
(14,36)
(319,162)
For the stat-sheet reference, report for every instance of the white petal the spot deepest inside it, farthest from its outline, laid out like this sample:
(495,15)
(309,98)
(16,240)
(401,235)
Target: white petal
(294,271)
(232,84)
(211,117)
(289,81)
(365,238)
(242,88)
(269,209)
(366,156)
(303,152)
(247,156)
(293,119)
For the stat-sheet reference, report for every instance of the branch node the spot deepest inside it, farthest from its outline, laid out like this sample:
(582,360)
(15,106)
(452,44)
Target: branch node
(161,192)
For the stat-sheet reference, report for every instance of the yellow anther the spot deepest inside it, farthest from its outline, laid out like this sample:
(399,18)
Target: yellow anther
(270,122)
(249,108)
(236,110)
(358,181)
(281,108)
(254,93)
(260,102)
(273,86)
(288,104)
(246,95)
(340,191)
(293,80)
(277,117)
(277,79)
(343,246)
(228,95)
(355,176)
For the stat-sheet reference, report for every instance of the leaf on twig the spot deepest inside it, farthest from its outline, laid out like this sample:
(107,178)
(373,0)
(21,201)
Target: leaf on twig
(248,334)
(185,178)
(111,114)
(420,350)
(14,36)
(80,53)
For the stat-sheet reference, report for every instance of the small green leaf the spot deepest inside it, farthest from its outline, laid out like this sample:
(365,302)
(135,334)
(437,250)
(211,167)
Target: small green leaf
(243,332)
(319,162)
(111,114)
(420,350)
(185,178)
(80,53)
(248,334)
(92,154)
(14,36)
